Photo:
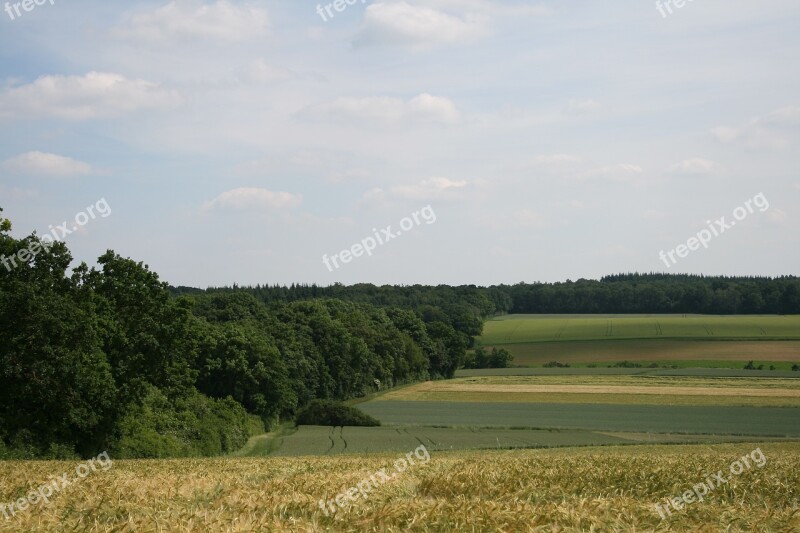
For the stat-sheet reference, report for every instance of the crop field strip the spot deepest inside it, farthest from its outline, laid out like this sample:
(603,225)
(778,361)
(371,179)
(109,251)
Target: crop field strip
(643,390)
(602,371)
(515,329)
(660,351)
(314,440)
(609,399)
(668,340)
(744,379)
(605,389)
(711,420)
(599,398)
(571,489)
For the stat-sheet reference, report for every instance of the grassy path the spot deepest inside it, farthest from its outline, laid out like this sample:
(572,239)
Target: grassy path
(266,443)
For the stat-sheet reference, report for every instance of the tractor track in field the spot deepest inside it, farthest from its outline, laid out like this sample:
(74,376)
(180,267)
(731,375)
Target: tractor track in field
(561,330)
(433,442)
(510,335)
(333,442)
(420,440)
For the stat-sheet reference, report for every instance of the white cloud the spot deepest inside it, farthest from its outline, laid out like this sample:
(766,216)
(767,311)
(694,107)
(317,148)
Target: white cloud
(492,8)
(435,188)
(373,196)
(785,116)
(423,107)
(95,95)
(696,166)
(245,198)
(772,131)
(580,169)
(193,19)
(418,26)
(44,164)
(776,215)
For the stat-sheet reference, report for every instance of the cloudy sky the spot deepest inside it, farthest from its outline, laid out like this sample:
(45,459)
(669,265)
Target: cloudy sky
(242,141)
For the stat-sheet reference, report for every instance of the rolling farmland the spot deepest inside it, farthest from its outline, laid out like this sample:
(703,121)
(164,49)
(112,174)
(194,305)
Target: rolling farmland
(693,340)
(573,407)
(511,449)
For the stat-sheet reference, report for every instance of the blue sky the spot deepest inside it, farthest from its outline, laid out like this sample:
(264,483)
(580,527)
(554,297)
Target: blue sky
(242,141)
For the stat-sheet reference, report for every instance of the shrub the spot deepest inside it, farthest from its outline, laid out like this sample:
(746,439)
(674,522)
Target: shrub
(330,413)
(555,364)
(188,427)
(480,358)
(625,364)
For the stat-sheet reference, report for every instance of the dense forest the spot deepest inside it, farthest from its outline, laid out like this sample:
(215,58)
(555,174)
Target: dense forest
(111,358)
(623,293)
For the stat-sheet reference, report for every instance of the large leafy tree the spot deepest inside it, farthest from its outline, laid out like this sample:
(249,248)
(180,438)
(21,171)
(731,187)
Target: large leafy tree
(56,386)
(148,337)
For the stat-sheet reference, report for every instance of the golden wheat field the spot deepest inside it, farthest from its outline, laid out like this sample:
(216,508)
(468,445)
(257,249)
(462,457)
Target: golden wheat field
(575,489)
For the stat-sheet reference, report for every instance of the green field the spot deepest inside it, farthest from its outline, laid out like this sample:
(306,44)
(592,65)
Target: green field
(511,329)
(663,340)
(317,440)
(711,420)
(327,441)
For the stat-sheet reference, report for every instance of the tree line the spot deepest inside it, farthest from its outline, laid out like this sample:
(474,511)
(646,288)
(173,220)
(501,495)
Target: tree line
(623,293)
